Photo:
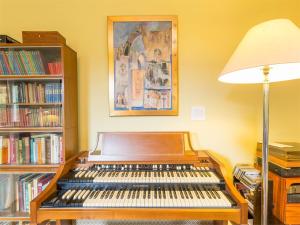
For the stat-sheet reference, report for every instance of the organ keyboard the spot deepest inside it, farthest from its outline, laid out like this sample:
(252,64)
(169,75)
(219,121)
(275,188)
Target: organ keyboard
(148,175)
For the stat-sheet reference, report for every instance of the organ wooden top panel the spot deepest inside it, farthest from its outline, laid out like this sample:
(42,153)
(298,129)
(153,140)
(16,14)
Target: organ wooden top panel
(142,143)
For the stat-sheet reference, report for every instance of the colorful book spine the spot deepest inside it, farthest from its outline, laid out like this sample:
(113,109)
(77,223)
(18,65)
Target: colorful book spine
(23,62)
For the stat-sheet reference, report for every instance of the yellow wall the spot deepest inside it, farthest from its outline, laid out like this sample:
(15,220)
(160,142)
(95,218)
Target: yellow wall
(285,111)
(209,31)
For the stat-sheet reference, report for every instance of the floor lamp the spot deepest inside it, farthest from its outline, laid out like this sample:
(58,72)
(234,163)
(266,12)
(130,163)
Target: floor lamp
(269,52)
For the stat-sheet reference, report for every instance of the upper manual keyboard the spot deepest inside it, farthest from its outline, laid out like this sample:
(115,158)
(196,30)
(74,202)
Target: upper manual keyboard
(167,173)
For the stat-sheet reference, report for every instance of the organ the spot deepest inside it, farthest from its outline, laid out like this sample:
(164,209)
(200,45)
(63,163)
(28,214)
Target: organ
(141,175)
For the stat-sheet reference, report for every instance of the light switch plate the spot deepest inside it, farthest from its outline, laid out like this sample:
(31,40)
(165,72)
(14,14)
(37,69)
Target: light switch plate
(198,113)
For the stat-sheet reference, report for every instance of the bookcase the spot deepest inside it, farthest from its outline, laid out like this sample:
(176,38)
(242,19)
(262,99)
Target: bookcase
(38,121)
(247,180)
(285,175)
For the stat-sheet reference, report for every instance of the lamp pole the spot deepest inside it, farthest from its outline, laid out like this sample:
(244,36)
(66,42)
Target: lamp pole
(265,152)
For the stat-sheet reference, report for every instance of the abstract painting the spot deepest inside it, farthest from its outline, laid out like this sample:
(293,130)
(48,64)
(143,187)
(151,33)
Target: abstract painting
(143,65)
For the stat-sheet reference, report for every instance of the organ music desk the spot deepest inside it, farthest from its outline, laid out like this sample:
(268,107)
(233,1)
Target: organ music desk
(141,176)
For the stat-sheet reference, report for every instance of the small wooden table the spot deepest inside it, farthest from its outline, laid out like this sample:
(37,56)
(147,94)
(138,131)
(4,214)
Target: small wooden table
(287,213)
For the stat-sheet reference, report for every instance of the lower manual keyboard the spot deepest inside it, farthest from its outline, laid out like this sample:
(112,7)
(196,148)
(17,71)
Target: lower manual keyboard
(179,196)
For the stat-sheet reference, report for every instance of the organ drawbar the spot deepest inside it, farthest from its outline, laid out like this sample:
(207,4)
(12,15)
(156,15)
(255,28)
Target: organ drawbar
(153,175)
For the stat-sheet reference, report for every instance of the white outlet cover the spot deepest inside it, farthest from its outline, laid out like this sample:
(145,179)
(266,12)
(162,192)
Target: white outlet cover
(198,113)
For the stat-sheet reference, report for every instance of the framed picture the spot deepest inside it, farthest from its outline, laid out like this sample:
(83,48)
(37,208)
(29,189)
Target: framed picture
(143,78)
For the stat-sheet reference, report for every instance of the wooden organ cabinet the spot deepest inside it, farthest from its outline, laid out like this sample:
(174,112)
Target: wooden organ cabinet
(141,176)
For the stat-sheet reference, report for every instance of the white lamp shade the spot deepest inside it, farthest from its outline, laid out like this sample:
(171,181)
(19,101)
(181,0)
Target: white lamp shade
(275,43)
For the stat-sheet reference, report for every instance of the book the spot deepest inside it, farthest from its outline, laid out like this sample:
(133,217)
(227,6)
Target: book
(21,62)
(288,151)
(28,187)
(247,175)
(36,149)
(3,94)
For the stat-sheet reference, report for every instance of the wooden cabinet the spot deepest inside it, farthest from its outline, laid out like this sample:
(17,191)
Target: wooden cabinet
(285,175)
(38,119)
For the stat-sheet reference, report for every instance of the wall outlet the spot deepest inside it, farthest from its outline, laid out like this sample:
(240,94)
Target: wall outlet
(198,113)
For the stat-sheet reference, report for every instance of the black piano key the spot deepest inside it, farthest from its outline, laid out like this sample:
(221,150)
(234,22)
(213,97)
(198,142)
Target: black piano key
(170,193)
(181,192)
(138,193)
(208,194)
(189,193)
(200,192)
(107,194)
(208,174)
(195,174)
(196,192)
(217,194)
(174,192)
(103,194)
(159,193)
(185,192)
(129,194)
(123,193)
(213,195)
(119,194)
(133,193)
(111,194)
(144,193)
(96,194)
(149,193)
(91,195)
(164,192)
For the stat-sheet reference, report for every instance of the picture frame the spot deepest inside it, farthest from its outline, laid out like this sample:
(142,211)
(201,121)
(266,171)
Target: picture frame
(142,57)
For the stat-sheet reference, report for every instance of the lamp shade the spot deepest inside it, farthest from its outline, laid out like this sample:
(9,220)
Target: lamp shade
(274,43)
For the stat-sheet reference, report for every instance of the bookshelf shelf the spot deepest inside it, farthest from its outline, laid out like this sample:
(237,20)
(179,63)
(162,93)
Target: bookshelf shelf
(31,77)
(32,104)
(28,168)
(32,131)
(14,216)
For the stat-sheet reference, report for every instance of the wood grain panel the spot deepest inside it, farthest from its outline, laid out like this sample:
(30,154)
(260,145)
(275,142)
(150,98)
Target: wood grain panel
(144,144)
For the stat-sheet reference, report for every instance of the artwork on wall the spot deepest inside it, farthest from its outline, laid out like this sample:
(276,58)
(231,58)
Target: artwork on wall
(143,65)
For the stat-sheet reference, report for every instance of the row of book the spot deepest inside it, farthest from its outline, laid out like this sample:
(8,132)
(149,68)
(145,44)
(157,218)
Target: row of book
(34,149)
(21,62)
(35,92)
(22,116)
(247,175)
(55,68)
(28,187)
(248,194)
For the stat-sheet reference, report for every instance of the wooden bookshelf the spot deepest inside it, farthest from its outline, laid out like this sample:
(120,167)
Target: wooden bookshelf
(68,125)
